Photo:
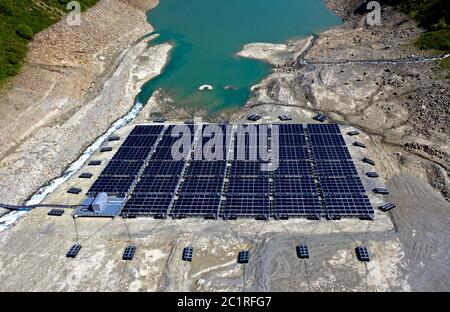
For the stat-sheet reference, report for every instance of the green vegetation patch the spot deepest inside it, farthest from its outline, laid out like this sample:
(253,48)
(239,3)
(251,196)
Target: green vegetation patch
(20,20)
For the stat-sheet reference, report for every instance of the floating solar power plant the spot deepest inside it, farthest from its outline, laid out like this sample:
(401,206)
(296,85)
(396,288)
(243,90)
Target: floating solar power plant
(128,254)
(302,251)
(74,190)
(289,129)
(149,205)
(293,168)
(111,185)
(247,168)
(243,257)
(196,205)
(331,153)
(166,153)
(387,206)
(380,190)
(359,144)
(187,254)
(368,161)
(335,168)
(320,118)
(338,185)
(327,139)
(140,141)
(122,168)
(285,117)
(294,185)
(114,138)
(132,153)
(106,149)
(168,141)
(151,184)
(56,212)
(164,168)
(202,184)
(73,251)
(254,117)
(297,205)
(291,139)
(323,129)
(348,205)
(362,253)
(248,185)
(353,133)
(207,168)
(160,119)
(95,163)
(246,206)
(372,174)
(85,175)
(147,130)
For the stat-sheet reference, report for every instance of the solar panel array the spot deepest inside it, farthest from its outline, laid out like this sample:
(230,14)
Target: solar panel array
(311,173)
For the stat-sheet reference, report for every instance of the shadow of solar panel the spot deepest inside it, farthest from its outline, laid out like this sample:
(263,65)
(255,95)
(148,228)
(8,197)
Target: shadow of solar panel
(336,185)
(122,168)
(290,128)
(162,168)
(248,185)
(132,153)
(111,185)
(348,205)
(296,205)
(335,168)
(246,206)
(293,153)
(202,184)
(291,139)
(140,141)
(166,153)
(149,205)
(248,168)
(294,168)
(198,205)
(207,168)
(294,185)
(326,139)
(331,153)
(156,184)
(326,128)
(147,130)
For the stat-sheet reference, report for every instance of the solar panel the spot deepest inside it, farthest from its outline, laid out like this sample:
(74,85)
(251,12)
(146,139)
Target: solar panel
(243,257)
(128,254)
(140,141)
(302,251)
(160,184)
(198,205)
(207,168)
(331,153)
(335,168)
(297,205)
(248,185)
(85,175)
(161,168)
(105,149)
(338,185)
(248,168)
(114,138)
(348,205)
(166,153)
(294,185)
(56,212)
(325,129)
(320,117)
(95,163)
(202,184)
(132,153)
(362,253)
(292,139)
(293,168)
(246,206)
(73,251)
(187,254)
(290,129)
(111,185)
(387,206)
(74,190)
(149,205)
(122,168)
(368,161)
(359,144)
(372,174)
(380,190)
(293,153)
(147,130)
(327,139)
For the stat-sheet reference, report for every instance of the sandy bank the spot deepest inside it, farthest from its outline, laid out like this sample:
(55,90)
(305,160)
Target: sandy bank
(77,81)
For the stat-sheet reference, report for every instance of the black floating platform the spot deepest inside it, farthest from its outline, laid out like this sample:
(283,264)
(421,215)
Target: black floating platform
(106,149)
(85,175)
(114,138)
(73,251)
(380,190)
(187,254)
(74,190)
(128,254)
(359,144)
(362,253)
(320,118)
(285,117)
(368,161)
(56,212)
(387,206)
(254,117)
(160,119)
(302,251)
(95,163)
(243,257)
(372,174)
(353,133)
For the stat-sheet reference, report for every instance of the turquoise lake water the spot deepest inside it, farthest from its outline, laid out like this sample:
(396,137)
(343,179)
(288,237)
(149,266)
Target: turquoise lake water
(208,33)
